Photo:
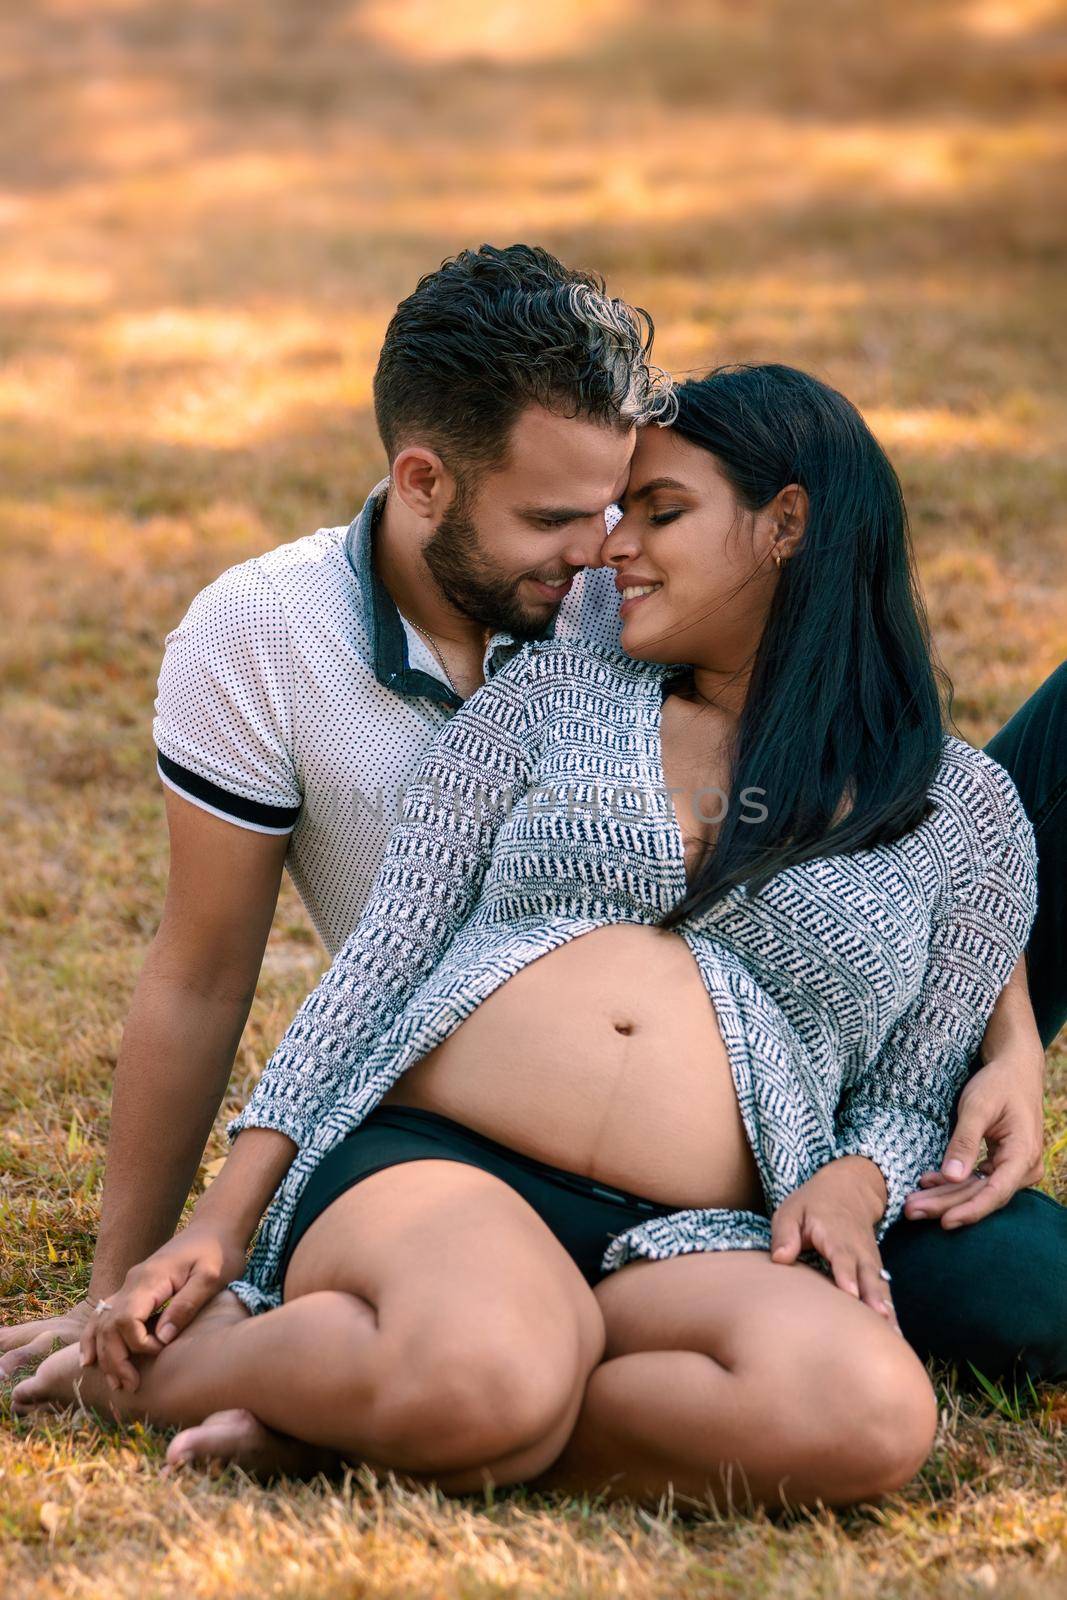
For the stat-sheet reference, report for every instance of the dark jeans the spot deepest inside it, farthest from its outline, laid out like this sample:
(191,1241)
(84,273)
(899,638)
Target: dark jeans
(995,1294)
(1033,748)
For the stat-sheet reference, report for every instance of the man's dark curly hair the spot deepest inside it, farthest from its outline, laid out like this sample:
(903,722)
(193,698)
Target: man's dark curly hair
(494,330)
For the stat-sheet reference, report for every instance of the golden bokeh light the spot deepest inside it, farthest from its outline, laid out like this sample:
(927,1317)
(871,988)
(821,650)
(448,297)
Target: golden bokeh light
(490,30)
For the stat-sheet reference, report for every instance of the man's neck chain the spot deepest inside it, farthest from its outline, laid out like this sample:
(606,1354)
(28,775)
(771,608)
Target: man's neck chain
(432,642)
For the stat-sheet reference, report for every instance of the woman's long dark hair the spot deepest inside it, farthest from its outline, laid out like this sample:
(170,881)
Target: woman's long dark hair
(843,699)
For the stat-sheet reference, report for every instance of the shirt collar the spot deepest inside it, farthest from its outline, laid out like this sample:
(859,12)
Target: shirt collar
(385,631)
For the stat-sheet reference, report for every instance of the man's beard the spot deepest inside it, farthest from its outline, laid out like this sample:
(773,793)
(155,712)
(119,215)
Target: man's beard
(466,577)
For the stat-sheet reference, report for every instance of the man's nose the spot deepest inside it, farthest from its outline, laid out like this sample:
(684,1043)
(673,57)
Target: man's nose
(586,549)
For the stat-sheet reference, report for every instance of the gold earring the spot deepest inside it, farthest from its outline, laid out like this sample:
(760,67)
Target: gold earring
(777,560)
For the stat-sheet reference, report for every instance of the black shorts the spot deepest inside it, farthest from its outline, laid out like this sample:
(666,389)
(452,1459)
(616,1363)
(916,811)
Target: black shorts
(584,1215)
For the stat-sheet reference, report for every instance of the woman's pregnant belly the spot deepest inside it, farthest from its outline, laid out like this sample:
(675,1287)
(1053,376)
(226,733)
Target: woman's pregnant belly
(604,1057)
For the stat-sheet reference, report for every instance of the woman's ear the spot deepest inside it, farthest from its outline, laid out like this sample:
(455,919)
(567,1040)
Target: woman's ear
(790,510)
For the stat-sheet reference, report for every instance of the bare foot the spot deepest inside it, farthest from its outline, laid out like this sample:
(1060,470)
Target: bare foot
(227,1436)
(239,1438)
(62,1381)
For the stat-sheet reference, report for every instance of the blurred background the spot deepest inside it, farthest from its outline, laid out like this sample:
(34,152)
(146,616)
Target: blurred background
(208,211)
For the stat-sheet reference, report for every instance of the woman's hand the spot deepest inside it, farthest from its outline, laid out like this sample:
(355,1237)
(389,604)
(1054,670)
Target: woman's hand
(188,1271)
(835,1213)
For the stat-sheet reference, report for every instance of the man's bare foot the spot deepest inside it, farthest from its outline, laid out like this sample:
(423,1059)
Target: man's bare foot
(24,1342)
(239,1438)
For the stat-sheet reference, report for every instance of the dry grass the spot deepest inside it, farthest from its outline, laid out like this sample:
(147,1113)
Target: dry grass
(206,216)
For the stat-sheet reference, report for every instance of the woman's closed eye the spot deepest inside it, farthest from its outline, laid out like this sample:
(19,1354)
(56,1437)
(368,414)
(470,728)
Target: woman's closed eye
(659,518)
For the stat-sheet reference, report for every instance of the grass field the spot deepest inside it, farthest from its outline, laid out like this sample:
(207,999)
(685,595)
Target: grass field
(207,213)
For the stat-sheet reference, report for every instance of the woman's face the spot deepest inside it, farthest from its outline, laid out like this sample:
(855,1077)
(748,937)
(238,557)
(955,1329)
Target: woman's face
(710,560)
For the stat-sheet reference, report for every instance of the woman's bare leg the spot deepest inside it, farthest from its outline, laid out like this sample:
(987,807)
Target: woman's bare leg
(723,1374)
(432,1325)
(732,1377)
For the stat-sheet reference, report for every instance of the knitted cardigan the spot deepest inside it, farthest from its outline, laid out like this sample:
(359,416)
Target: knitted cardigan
(851,992)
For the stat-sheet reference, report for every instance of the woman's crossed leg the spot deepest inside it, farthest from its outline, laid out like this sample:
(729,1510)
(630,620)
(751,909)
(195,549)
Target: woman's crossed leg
(732,1378)
(432,1325)
(435,1327)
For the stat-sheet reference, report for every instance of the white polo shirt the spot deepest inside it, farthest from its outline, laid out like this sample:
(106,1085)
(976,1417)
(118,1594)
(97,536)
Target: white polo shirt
(294,698)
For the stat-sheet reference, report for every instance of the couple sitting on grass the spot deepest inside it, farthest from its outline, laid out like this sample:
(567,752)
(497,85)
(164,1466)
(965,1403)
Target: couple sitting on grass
(632,1138)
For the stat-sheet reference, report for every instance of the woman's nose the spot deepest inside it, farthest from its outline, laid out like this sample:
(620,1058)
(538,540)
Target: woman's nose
(620,544)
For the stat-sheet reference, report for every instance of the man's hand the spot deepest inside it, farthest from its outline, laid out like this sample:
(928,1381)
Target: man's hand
(27,1340)
(835,1213)
(1002,1104)
(184,1275)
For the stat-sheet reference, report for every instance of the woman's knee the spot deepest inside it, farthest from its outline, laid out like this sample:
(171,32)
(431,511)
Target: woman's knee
(873,1415)
(502,1386)
(476,1395)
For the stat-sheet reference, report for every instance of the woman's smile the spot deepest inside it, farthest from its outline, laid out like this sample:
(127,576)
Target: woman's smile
(633,593)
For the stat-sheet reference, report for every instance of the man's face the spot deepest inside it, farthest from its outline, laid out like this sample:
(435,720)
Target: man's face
(500,552)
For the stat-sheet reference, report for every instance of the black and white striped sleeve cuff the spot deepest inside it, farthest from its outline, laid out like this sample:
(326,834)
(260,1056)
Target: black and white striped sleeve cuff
(253,814)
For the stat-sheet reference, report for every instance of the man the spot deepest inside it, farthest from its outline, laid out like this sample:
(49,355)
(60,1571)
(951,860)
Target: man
(301,688)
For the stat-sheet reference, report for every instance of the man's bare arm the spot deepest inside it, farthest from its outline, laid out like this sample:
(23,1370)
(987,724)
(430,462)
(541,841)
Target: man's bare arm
(184,1025)
(189,1010)
(1012,1028)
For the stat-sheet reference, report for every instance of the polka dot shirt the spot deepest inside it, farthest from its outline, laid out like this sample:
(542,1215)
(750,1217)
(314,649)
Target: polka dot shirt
(294,699)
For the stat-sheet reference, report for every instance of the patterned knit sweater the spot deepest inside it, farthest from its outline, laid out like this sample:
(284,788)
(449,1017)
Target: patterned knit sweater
(851,991)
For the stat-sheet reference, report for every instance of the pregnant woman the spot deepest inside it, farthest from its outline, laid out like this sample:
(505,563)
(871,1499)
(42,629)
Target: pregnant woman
(677,958)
